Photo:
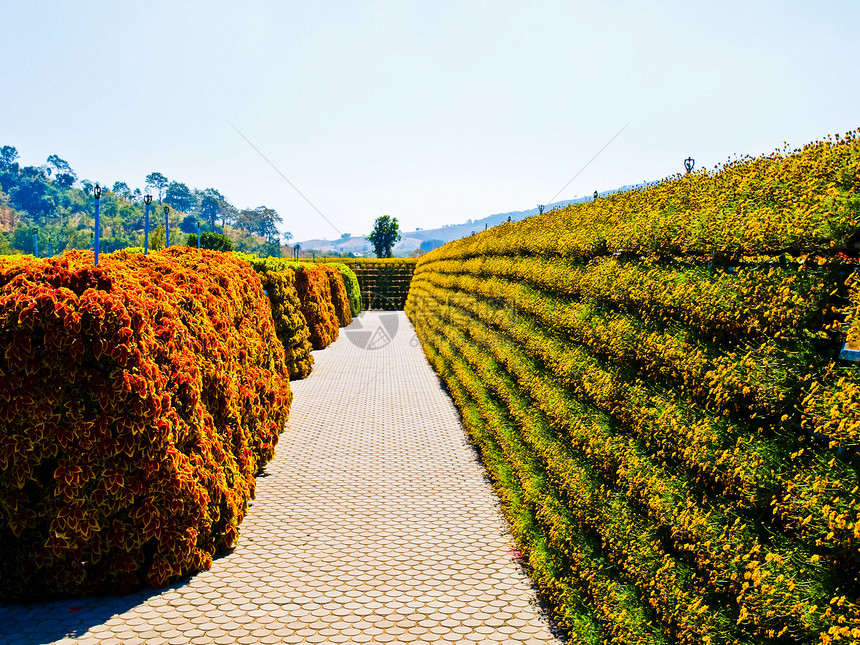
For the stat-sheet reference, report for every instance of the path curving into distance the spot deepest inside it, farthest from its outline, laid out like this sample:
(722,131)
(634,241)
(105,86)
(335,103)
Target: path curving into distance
(374,523)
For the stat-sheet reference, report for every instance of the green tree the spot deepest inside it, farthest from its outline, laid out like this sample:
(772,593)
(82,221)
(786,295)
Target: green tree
(385,234)
(261,220)
(121,188)
(59,165)
(157,238)
(157,181)
(212,203)
(63,173)
(22,239)
(210,240)
(8,156)
(180,197)
(188,224)
(32,193)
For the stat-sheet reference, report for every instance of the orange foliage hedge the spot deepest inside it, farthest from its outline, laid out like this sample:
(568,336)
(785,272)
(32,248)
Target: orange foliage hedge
(312,285)
(138,400)
(339,296)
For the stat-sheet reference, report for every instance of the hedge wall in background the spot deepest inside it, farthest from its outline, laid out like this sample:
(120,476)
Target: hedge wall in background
(653,382)
(138,400)
(384,283)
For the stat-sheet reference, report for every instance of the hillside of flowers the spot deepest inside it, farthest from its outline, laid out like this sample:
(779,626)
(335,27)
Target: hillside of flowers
(655,386)
(138,400)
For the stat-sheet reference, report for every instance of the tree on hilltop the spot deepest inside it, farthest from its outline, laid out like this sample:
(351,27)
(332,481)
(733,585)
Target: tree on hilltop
(8,157)
(180,197)
(385,234)
(121,188)
(213,204)
(157,181)
(63,173)
(261,220)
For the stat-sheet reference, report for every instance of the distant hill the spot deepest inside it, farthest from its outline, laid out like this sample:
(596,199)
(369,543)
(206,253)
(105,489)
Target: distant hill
(411,240)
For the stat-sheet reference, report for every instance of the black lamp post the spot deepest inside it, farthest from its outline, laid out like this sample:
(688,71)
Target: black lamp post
(166,227)
(147,199)
(198,235)
(97,192)
(689,162)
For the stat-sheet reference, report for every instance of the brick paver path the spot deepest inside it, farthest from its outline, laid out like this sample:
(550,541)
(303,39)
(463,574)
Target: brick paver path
(374,523)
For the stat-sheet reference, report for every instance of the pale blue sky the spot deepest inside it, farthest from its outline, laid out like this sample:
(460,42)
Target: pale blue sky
(433,112)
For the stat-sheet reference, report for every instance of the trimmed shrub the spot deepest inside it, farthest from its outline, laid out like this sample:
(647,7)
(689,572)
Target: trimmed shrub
(314,293)
(290,324)
(138,400)
(312,285)
(210,240)
(339,297)
(353,290)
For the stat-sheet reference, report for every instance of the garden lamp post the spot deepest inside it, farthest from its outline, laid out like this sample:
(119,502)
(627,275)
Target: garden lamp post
(540,209)
(689,162)
(198,235)
(166,227)
(49,246)
(36,242)
(595,195)
(147,199)
(97,192)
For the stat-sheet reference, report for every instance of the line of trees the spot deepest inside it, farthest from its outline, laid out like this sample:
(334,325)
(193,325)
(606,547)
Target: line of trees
(53,204)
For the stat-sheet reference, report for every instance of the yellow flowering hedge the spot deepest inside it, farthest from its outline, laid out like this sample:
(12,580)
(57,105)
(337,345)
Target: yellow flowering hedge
(654,383)
(138,401)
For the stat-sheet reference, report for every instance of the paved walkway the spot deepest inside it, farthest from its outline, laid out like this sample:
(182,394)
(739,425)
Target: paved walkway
(374,523)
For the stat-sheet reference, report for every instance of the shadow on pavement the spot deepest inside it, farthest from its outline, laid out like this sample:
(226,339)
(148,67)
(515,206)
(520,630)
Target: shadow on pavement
(46,622)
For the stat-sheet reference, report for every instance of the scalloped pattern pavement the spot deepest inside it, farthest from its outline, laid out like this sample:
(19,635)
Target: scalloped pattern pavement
(374,523)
